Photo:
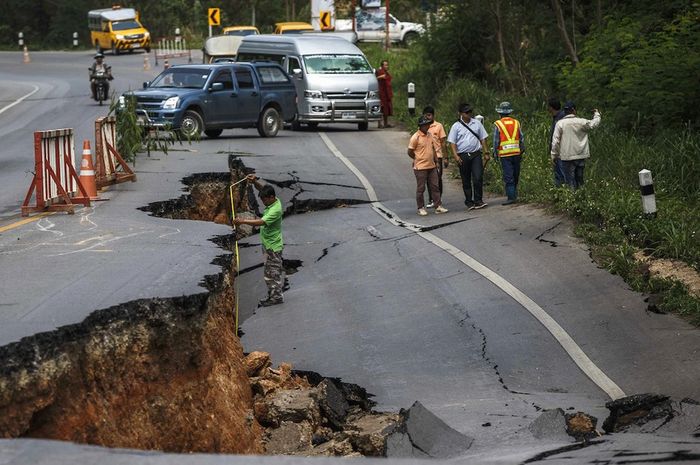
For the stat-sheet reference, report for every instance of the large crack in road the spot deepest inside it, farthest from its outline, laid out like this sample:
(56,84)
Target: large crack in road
(170,374)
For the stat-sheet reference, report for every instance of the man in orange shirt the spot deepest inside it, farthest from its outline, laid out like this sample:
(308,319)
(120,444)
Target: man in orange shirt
(423,149)
(437,130)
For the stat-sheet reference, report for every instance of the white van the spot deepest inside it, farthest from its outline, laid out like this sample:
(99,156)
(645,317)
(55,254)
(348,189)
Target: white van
(335,83)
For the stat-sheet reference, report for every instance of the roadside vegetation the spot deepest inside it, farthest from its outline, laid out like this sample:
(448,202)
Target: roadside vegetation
(650,110)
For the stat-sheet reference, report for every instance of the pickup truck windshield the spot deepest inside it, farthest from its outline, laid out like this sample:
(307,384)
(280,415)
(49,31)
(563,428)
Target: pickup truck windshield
(336,64)
(124,25)
(182,78)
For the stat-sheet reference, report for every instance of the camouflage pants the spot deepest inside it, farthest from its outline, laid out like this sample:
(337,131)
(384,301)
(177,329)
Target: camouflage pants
(273,274)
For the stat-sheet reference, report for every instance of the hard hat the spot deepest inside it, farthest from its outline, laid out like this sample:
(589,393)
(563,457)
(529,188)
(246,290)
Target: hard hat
(504,108)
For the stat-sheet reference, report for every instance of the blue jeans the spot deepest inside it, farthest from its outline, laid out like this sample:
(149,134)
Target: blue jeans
(511,174)
(559,176)
(472,172)
(573,170)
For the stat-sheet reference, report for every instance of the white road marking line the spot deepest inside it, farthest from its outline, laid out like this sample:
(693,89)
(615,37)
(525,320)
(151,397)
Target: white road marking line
(19,100)
(579,357)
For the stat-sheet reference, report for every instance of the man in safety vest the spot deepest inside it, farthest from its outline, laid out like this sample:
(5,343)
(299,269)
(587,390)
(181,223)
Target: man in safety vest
(509,147)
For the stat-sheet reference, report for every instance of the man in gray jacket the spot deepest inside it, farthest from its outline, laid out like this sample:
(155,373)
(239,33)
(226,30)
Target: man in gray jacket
(570,143)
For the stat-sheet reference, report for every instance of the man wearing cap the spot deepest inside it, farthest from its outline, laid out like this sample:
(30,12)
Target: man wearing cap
(99,66)
(570,143)
(423,149)
(467,139)
(437,130)
(508,146)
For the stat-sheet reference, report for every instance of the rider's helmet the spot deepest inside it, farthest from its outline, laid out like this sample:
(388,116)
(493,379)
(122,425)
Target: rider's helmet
(99,55)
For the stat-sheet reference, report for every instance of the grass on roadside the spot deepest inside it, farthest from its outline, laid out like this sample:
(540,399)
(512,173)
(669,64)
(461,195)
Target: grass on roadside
(608,209)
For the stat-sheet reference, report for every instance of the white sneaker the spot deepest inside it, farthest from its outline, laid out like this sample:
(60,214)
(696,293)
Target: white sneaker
(441,209)
(430,205)
(422,212)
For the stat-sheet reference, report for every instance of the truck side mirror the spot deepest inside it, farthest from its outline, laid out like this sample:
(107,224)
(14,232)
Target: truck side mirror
(145,84)
(296,72)
(217,86)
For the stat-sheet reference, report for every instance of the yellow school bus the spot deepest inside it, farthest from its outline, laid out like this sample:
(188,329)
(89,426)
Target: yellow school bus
(117,29)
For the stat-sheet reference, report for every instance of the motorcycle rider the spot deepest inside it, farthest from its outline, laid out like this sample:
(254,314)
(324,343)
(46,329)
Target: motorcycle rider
(99,66)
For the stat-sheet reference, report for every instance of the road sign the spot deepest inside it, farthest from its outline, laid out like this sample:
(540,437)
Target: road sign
(325,20)
(214,17)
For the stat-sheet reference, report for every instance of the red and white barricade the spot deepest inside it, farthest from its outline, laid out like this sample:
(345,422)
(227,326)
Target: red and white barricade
(110,167)
(56,184)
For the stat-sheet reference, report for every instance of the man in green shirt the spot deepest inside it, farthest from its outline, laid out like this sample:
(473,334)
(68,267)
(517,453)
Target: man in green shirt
(271,238)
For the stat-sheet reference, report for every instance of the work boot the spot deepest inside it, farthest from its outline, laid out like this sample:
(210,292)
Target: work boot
(270,302)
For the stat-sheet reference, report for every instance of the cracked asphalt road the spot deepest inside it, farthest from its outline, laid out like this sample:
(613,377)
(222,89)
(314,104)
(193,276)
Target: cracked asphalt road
(383,308)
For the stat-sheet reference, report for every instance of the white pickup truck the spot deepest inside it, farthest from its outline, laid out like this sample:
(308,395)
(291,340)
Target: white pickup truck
(370,27)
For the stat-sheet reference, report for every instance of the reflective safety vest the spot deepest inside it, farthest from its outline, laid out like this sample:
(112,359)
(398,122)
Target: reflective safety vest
(509,132)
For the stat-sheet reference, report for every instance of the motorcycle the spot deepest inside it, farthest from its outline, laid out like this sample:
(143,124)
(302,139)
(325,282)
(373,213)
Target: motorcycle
(101,81)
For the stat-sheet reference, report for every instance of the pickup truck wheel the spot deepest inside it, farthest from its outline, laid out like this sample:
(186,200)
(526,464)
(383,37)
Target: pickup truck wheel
(362,126)
(191,125)
(269,122)
(213,133)
(410,38)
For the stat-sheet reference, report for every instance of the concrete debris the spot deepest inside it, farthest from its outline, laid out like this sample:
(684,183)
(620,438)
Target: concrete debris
(288,406)
(581,426)
(289,438)
(647,413)
(332,403)
(551,425)
(369,433)
(421,433)
(256,362)
(556,425)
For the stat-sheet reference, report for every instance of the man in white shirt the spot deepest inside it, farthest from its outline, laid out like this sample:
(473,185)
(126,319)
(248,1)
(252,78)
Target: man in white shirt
(467,140)
(570,143)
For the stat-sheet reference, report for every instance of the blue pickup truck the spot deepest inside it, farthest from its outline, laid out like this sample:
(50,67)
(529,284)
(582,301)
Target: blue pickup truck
(189,99)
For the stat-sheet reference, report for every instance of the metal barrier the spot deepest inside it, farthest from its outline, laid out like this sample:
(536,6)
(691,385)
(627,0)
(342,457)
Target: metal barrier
(56,184)
(110,167)
(172,48)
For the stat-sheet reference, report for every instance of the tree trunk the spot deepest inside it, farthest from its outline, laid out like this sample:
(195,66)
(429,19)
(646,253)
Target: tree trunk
(561,25)
(496,10)
(599,13)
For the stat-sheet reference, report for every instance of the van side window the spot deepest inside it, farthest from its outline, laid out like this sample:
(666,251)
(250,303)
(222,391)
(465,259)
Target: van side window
(252,56)
(292,64)
(245,79)
(226,79)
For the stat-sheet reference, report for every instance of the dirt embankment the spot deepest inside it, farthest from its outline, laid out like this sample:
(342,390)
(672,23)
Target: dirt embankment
(165,374)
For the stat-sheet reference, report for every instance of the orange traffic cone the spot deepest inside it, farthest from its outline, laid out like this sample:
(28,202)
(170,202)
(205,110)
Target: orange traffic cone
(87,172)
(25,55)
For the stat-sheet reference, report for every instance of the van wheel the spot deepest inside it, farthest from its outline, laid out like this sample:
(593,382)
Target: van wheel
(269,122)
(191,125)
(363,126)
(213,133)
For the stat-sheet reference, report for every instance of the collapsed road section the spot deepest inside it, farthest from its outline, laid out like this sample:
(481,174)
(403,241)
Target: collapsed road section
(170,374)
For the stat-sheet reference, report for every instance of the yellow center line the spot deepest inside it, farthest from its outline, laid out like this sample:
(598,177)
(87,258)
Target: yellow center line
(25,221)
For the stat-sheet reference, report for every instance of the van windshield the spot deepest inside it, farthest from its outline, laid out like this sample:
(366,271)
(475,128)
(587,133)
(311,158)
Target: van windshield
(182,77)
(124,25)
(336,64)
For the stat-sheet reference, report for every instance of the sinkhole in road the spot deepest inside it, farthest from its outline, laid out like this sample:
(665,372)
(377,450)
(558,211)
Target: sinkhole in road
(170,374)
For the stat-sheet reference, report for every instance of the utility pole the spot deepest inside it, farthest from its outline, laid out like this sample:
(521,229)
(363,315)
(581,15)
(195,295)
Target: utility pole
(386,26)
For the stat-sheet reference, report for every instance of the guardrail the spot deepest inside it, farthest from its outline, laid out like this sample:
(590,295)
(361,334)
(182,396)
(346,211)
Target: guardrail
(172,48)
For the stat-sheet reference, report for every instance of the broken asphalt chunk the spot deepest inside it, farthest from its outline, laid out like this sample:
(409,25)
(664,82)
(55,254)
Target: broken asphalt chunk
(422,434)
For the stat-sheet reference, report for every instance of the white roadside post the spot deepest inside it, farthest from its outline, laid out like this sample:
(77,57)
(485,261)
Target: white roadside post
(75,39)
(411,98)
(646,187)
(177,35)
(20,39)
